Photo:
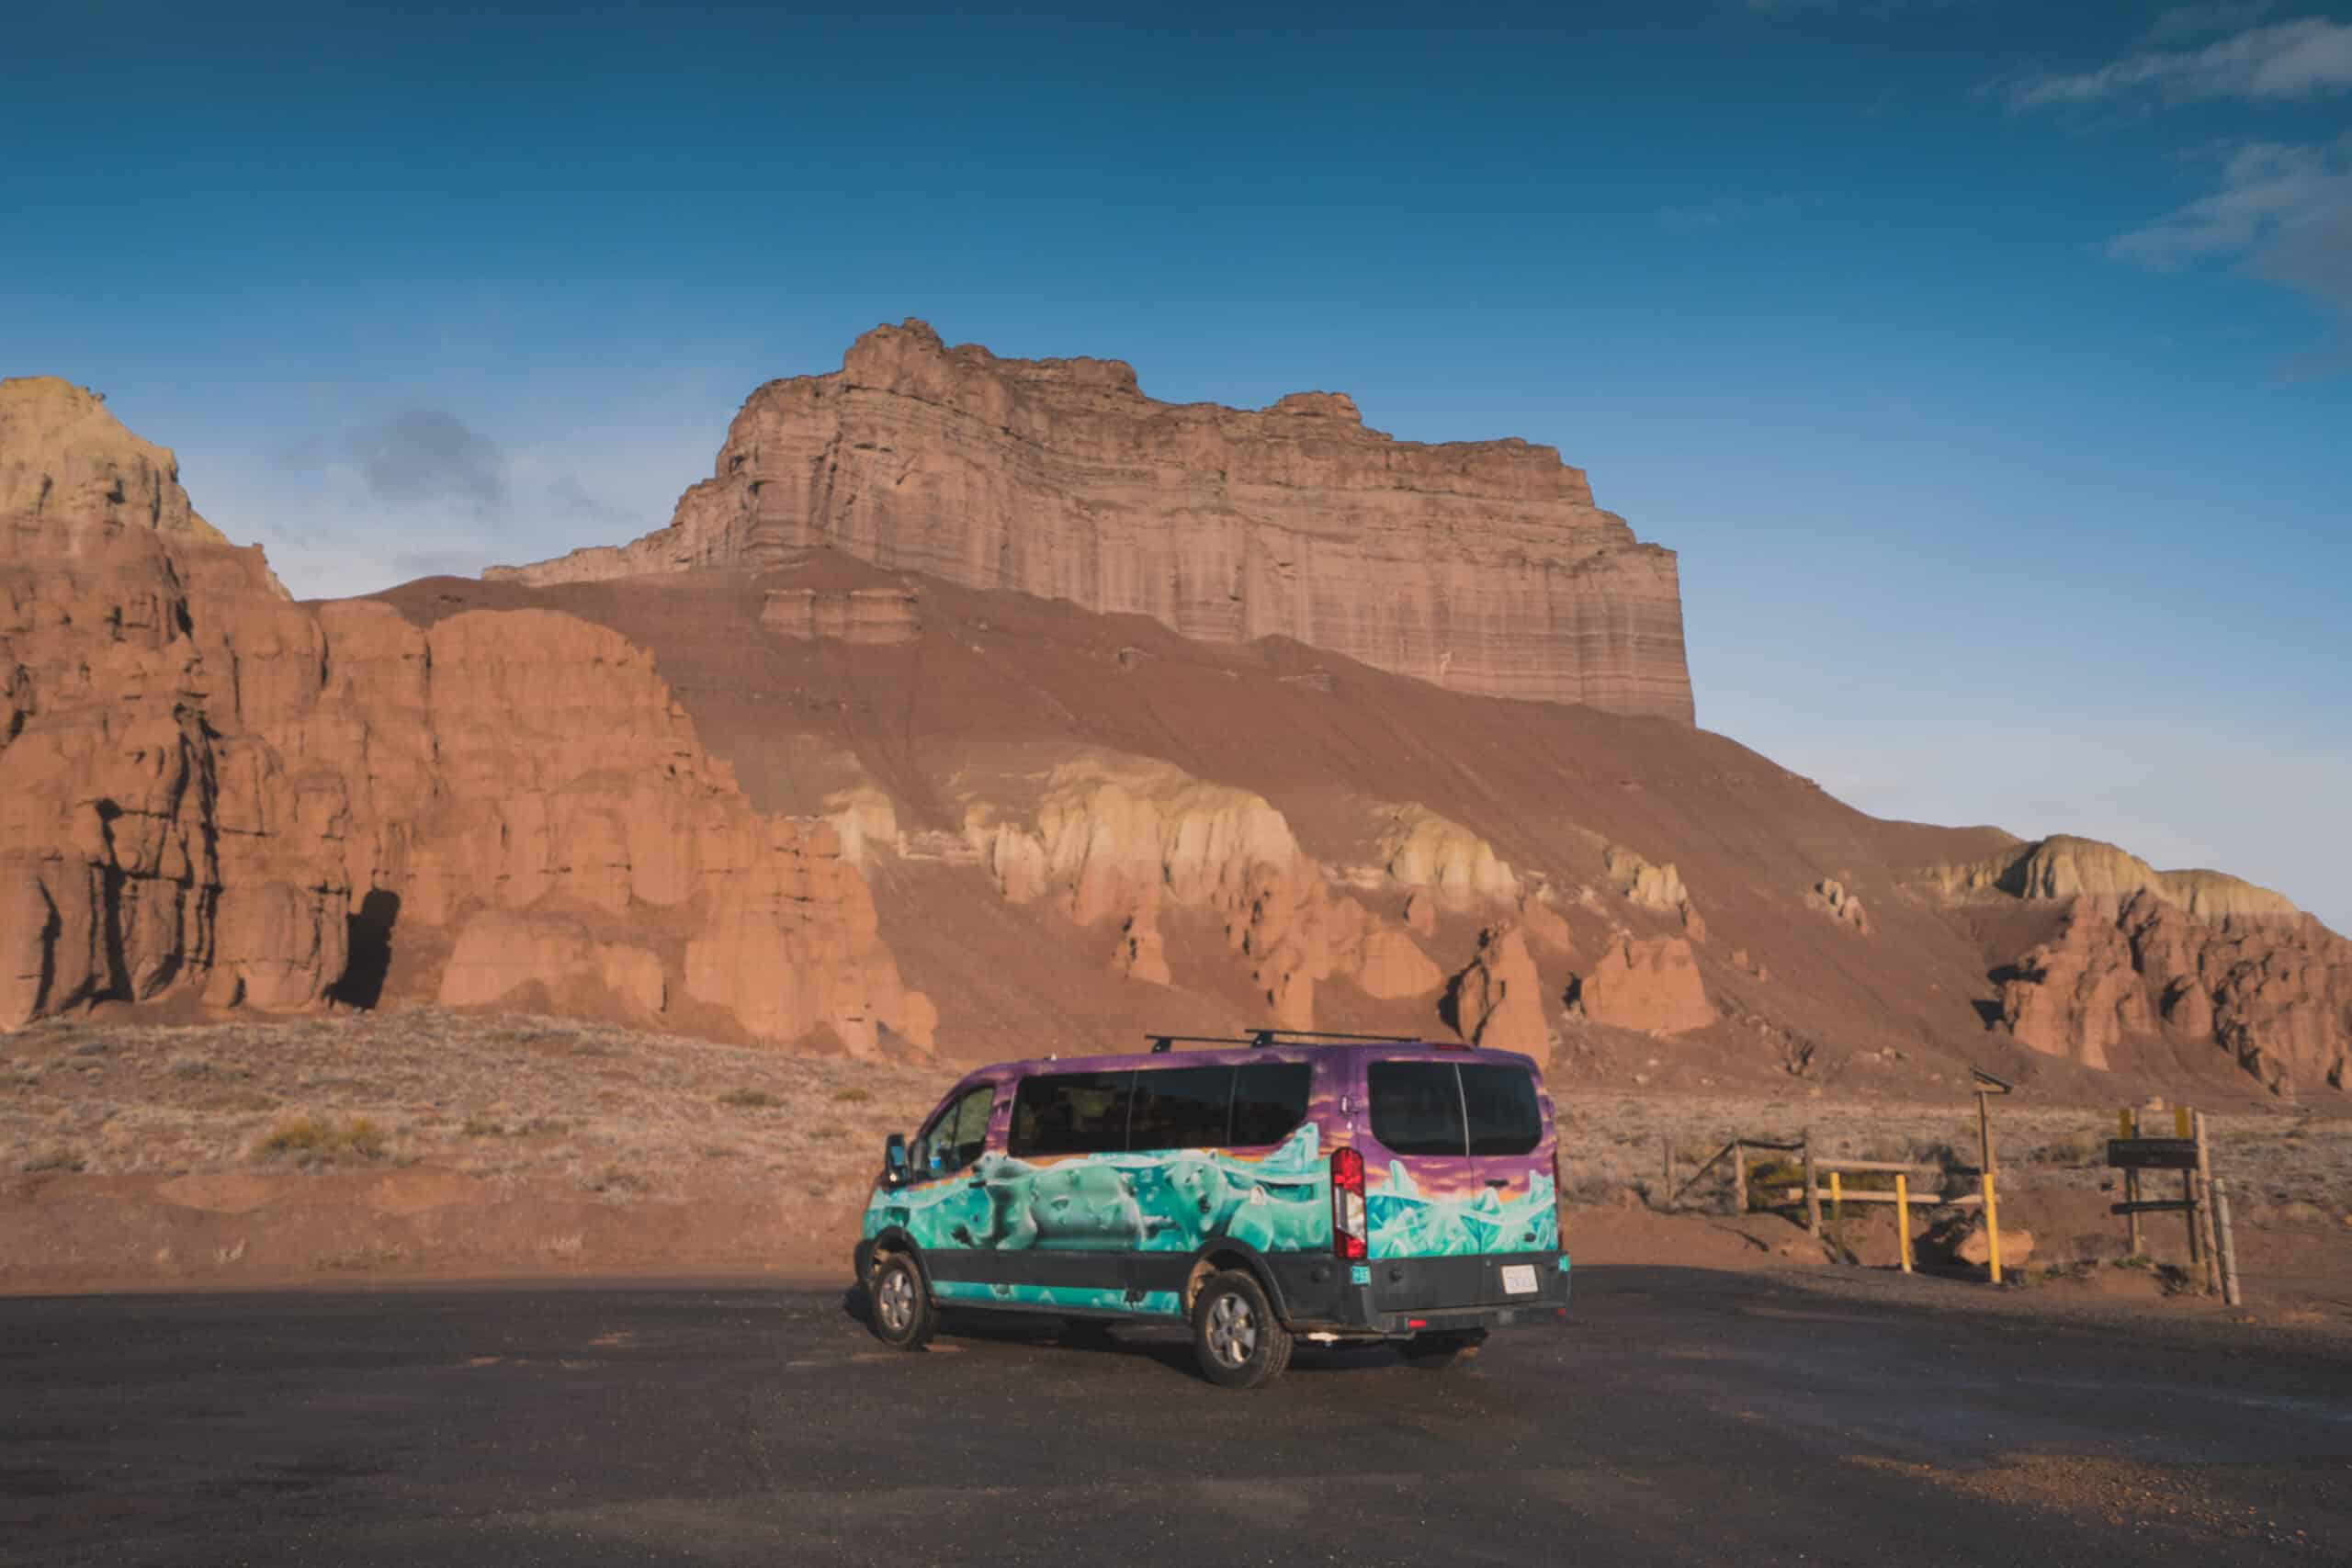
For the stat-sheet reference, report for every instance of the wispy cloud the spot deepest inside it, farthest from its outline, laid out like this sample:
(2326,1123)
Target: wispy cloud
(429,456)
(2285,212)
(1732,211)
(2202,21)
(2309,57)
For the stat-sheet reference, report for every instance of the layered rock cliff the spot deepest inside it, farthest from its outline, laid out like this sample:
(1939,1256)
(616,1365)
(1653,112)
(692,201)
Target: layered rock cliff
(1481,566)
(207,791)
(2194,956)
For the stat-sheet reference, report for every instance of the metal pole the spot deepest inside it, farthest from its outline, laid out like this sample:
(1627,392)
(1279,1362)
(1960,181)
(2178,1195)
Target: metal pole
(2199,1266)
(1812,1192)
(1838,1211)
(1739,1178)
(2127,1125)
(2204,1216)
(1666,1146)
(2229,1246)
(1991,1229)
(1903,1218)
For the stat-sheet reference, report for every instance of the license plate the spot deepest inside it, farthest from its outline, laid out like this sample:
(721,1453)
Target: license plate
(1518,1279)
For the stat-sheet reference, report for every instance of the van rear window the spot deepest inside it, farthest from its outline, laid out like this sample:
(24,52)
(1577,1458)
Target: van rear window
(1416,1107)
(1458,1109)
(1498,1104)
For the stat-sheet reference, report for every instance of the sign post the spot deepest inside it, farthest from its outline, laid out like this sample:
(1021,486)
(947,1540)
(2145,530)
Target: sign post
(2128,1126)
(1988,1086)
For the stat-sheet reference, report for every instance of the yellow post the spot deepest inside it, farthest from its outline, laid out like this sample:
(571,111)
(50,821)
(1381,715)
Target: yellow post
(1991,1229)
(2123,1123)
(2180,1120)
(1902,1217)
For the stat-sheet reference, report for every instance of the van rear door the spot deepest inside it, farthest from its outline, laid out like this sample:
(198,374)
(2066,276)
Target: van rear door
(1462,1174)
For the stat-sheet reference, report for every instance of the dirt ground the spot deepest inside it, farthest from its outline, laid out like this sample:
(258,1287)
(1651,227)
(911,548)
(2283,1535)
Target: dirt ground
(426,1144)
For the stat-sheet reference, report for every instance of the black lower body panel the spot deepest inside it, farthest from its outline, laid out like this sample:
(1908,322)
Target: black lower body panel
(1399,1296)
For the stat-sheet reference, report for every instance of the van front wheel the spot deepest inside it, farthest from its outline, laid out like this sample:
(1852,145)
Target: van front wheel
(1239,1340)
(903,1315)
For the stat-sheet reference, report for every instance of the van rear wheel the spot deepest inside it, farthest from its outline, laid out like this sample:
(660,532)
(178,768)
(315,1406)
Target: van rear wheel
(1437,1352)
(1239,1340)
(903,1315)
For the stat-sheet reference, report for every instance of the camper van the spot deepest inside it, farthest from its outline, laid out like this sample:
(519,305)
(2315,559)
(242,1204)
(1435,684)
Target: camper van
(1336,1189)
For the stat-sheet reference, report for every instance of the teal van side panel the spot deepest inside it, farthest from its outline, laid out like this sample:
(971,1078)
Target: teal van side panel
(1409,1222)
(1154,1304)
(1173,1201)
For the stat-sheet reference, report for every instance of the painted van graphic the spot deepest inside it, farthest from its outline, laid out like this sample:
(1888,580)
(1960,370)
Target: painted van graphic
(1328,1188)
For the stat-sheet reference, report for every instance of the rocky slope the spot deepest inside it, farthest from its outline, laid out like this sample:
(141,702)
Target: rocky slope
(802,801)
(210,793)
(1482,567)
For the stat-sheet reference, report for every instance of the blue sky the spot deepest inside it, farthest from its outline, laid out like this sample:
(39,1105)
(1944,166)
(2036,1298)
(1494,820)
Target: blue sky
(1989,364)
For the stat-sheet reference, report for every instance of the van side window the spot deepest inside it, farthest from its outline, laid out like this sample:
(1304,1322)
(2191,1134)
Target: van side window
(1498,1102)
(1070,1114)
(1269,1101)
(957,1138)
(1180,1107)
(1415,1107)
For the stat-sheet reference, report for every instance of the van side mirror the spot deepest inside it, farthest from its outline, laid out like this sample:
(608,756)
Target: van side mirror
(894,1159)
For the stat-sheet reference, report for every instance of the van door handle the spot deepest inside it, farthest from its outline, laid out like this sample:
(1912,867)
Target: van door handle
(1499,1181)
(979,1185)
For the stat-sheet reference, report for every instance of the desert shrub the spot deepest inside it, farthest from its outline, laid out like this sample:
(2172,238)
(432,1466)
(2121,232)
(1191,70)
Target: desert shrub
(852,1094)
(477,1125)
(58,1159)
(619,1179)
(747,1099)
(2074,1151)
(316,1141)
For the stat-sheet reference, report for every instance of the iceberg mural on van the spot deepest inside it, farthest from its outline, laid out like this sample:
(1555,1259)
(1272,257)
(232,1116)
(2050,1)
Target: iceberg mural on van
(1170,1202)
(1407,1222)
(1178,1200)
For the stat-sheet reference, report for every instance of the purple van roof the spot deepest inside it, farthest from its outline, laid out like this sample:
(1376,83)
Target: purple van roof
(1227,1056)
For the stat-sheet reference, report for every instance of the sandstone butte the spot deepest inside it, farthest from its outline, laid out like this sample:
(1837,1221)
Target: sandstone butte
(1480,566)
(846,787)
(210,793)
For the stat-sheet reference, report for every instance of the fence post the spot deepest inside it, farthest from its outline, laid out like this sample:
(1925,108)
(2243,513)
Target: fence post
(1991,1229)
(2215,1271)
(1903,1218)
(2190,1193)
(2127,1125)
(1738,1177)
(1666,1147)
(1812,1192)
(1838,1213)
(2229,1248)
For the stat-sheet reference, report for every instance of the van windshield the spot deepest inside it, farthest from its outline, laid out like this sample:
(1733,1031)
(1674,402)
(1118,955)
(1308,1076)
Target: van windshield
(1454,1108)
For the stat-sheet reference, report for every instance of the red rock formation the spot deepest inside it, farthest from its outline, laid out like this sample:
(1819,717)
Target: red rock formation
(1499,999)
(1649,984)
(204,788)
(1832,898)
(2273,992)
(1484,567)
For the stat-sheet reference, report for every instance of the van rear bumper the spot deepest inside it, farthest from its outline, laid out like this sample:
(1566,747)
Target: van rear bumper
(1393,1297)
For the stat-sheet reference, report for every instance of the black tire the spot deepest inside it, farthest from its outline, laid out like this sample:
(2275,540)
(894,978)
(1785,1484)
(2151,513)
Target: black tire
(1438,1352)
(904,1318)
(1236,1335)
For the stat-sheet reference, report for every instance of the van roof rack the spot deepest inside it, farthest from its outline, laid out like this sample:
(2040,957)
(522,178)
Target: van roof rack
(1259,1038)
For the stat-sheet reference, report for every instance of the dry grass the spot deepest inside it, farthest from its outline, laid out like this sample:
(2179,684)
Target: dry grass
(625,1116)
(313,1141)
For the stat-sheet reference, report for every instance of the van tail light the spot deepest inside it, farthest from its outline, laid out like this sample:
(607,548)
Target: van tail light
(1347,1203)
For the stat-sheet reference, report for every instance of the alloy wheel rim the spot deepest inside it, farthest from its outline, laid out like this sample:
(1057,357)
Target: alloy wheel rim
(1233,1330)
(897,1302)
